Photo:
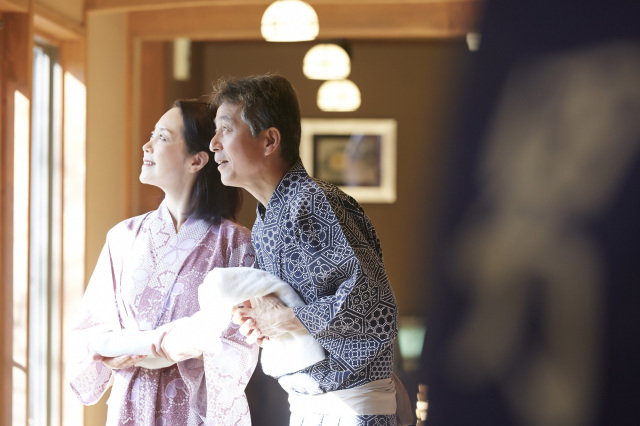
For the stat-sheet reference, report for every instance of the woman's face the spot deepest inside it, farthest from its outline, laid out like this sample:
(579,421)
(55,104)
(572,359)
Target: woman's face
(165,162)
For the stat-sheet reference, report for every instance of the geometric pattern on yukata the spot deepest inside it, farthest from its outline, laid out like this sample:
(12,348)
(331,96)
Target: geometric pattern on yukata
(319,240)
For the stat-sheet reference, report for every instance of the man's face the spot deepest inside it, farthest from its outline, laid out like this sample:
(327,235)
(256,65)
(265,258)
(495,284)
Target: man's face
(239,155)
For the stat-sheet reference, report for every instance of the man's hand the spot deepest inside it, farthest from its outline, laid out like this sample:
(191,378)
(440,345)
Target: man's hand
(120,362)
(265,317)
(247,324)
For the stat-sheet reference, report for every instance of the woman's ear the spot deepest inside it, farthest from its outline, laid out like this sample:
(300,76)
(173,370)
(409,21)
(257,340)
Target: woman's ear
(198,161)
(272,136)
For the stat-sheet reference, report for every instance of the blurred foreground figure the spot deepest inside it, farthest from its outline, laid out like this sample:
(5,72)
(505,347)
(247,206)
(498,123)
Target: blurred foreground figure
(536,304)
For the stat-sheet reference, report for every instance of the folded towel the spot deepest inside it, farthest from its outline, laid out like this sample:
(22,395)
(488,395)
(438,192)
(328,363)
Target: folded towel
(221,290)
(224,288)
(125,342)
(130,342)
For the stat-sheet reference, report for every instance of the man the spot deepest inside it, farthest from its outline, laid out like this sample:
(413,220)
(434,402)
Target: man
(316,238)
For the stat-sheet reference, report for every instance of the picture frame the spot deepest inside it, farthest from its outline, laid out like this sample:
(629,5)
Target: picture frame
(357,155)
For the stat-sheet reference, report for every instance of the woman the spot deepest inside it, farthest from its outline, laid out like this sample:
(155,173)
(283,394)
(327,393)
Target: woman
(147,278)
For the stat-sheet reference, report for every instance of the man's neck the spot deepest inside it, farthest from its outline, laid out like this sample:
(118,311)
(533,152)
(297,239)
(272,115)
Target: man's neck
(269,181)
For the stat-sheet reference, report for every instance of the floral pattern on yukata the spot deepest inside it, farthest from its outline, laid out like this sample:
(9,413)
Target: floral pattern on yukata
(147,276)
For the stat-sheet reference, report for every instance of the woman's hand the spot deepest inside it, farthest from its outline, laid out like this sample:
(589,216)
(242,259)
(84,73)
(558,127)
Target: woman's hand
(119,362)
(176,345)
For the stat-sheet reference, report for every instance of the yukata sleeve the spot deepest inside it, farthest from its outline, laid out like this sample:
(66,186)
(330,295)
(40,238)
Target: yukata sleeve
(97,314)
(241,252)
(227,370)
(355,316)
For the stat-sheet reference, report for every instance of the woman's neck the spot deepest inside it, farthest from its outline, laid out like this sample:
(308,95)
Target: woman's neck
(178,207)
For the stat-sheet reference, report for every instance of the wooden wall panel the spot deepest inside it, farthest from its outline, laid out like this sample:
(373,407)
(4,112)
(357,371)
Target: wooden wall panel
(152,107)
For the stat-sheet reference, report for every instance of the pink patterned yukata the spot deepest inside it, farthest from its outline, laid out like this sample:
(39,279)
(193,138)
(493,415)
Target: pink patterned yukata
(147,276)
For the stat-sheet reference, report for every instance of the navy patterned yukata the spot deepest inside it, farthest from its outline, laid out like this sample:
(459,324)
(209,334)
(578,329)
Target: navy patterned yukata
(319,240)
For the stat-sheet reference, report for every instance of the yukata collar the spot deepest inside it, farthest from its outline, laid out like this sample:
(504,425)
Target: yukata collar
(297,168)
(165,215)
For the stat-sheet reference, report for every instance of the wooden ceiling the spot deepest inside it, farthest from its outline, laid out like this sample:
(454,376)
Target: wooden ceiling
(240,19)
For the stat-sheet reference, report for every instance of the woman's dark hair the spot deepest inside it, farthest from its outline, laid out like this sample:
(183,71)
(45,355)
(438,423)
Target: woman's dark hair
(209,198)
(267,100)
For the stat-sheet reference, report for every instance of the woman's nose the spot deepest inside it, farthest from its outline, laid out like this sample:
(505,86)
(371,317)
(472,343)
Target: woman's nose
(146,147)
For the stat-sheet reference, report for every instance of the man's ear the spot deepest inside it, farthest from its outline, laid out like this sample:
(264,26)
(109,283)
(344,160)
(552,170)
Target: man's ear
(198,161)
(272,136)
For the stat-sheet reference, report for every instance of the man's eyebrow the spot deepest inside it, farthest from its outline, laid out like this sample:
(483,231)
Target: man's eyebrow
(223,118)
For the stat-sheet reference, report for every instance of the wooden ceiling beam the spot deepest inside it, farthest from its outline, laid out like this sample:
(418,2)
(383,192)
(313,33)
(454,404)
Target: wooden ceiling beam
(100,6)
(349,19)
(14,5)
(51,22)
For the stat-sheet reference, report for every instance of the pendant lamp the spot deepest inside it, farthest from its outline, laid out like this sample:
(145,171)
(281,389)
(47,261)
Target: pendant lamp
(326,61)
(338,95)
(182,59)
(289,20)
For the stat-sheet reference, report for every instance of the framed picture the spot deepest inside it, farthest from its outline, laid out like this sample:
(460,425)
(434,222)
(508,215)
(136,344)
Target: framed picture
(358,155)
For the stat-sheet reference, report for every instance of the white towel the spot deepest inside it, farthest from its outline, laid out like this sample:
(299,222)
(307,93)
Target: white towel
(221,290)
(224,288)
(130,342)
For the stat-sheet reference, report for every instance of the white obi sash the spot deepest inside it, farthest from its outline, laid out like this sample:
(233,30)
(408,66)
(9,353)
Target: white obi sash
(374,398)
(380,397)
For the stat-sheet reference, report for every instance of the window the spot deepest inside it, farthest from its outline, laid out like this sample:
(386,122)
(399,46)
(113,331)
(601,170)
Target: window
(45,238)
(42,215)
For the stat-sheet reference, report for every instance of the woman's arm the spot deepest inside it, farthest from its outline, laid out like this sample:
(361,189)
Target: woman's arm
(89,377)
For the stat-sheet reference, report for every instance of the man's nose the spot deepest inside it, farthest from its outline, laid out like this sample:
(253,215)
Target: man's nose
(214,146)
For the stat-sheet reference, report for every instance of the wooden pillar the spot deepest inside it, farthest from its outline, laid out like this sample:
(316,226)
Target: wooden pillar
(16,45)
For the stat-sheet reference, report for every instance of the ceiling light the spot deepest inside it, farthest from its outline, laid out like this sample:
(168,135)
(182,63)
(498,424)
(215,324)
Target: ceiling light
(326,61)
(338,95)
(289,20)
(182,59)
